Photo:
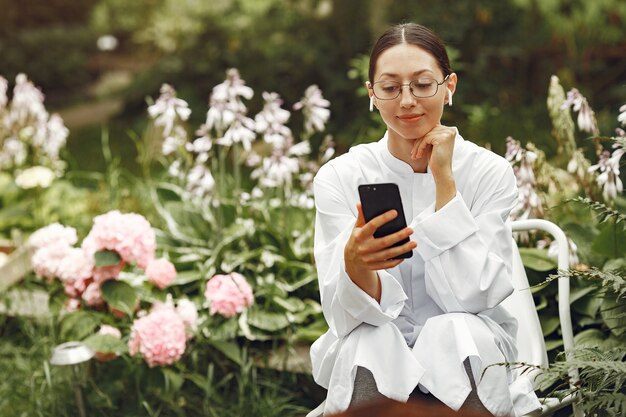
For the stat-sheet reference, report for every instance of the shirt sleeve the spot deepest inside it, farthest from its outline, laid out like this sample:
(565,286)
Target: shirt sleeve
(468,252)
(344,304)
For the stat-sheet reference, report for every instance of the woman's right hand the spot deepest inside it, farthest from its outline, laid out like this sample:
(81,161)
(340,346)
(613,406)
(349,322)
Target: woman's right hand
(364,254)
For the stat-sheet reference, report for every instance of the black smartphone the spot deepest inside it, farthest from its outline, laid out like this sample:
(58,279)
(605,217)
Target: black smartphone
(377,199)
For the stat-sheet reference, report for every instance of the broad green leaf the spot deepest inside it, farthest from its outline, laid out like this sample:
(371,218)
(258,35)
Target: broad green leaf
(589,338)
(290,304)
(107,258)
(613,313)
(588,305)
(549,323)
(119,295)
(266,320)
(78,325)
(537,259)
(611,242)
(105,343)
(230,349)
(173,380)
(185,277)
(578,293)
(553,344)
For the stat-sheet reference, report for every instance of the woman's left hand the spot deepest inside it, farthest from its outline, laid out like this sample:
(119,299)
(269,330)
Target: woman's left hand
(437,146)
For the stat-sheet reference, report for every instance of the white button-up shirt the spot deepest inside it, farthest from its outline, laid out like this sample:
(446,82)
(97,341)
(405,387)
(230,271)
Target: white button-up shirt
(462,264)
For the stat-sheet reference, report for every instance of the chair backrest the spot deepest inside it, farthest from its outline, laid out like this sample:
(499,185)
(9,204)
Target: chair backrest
(530,342)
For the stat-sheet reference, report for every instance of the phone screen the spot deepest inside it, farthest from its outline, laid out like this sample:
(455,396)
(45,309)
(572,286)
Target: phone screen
(377,199)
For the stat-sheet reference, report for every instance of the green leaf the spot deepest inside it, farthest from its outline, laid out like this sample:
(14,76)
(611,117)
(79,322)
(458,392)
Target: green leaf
(230,349)
(106,343)
(173,380)
(266,320)
(119,295)
(78,325)
(549,323)
(613,313)
(611,242)
(537,259)
(107,258)
(185,277)
(553,344)
(589,338)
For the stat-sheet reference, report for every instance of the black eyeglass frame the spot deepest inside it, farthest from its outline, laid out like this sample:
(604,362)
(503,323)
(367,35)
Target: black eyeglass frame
(410,89)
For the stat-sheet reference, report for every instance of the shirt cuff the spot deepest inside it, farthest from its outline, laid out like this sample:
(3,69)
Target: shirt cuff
(362,306)
(438,231)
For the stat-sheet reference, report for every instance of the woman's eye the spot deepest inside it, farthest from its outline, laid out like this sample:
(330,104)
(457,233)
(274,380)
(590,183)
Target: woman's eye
(390,88)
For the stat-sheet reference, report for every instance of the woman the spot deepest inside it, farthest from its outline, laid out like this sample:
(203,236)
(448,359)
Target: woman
(431,323)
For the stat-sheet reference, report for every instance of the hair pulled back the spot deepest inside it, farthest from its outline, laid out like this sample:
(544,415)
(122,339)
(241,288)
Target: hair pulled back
(412,34)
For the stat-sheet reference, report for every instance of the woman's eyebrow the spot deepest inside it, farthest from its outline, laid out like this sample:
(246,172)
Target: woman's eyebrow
(391,74)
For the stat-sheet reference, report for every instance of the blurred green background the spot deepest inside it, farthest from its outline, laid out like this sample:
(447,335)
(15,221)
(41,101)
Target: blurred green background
(504,52)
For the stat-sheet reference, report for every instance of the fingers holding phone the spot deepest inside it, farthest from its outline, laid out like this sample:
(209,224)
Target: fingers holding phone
(365,254)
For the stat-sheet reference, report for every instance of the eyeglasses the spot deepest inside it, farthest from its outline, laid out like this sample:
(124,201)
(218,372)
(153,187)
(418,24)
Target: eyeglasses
(420,88)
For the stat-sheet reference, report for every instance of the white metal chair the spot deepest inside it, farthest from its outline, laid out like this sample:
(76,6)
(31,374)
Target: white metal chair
(530,342)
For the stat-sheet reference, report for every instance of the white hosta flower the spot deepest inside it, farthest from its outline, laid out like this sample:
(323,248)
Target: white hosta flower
(175,141)
(300,149)
(13,153)
(168,109)
(27,104)
(200,181)
(514,150)
(56,136)
(622,115)
(37,176)
(4,86)
(608,177)
(277,171)
(553,250)
(241,131)
(586,117)
(225,103)
(271,121)
(314,107)
(577,165)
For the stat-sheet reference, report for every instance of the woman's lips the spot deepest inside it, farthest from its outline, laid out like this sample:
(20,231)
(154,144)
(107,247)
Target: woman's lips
(410,118)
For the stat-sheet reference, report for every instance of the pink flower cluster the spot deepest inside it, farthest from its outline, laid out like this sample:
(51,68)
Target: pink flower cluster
(159,337)
(228,294)
(128,234)
(161,272)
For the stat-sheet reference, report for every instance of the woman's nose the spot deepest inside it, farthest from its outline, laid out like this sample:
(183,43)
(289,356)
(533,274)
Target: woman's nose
(407,99)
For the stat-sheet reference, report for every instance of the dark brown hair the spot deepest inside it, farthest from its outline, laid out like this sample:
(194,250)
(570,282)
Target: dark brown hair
(412,34)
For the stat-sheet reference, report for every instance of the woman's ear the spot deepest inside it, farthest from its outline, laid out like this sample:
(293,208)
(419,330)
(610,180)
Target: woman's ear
(450,87)
(370,92)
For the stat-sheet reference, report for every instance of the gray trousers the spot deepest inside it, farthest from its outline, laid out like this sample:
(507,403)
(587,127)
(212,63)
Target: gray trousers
(365,390)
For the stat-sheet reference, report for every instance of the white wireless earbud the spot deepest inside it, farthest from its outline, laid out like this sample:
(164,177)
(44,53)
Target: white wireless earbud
(372,103)
(449,97)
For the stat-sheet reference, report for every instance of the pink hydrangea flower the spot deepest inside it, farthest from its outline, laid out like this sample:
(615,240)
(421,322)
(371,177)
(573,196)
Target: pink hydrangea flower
(75,265)
(75,288)
(159,337)
(54,233)
(71,305)
(47,259)
(187,311)
(228,294)
(161,272)
(128,234)
(105,273)
(92,295)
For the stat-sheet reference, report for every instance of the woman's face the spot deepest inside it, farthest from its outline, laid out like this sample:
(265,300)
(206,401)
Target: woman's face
(409,117)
